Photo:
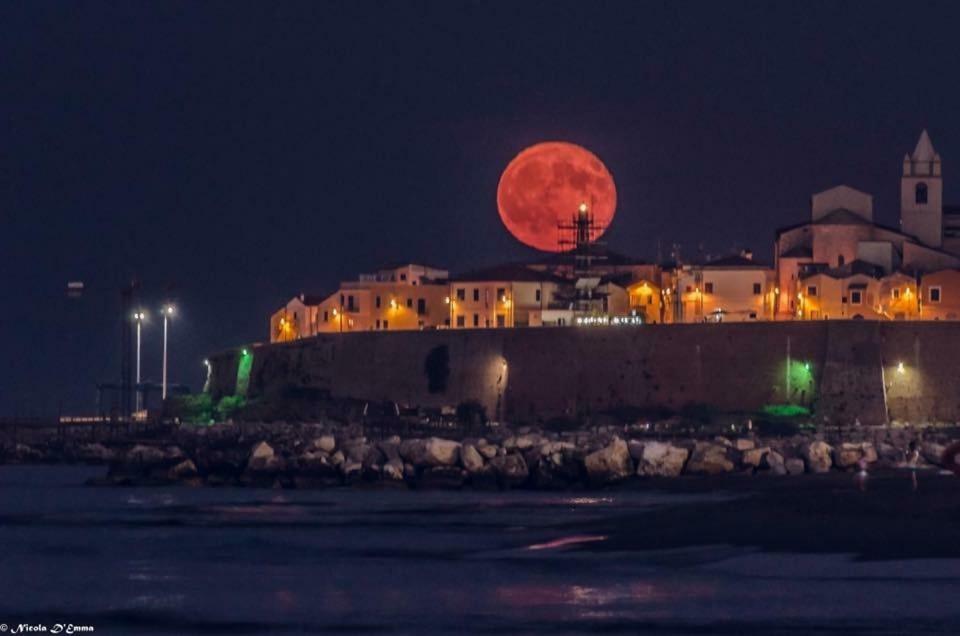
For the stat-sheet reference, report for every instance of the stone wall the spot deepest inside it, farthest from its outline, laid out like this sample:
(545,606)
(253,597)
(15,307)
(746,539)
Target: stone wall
(845,370)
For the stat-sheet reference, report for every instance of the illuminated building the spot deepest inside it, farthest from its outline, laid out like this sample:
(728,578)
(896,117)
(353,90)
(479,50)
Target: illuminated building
(505,296)
(842,231)
(404,297)
(729,289)
(940,295)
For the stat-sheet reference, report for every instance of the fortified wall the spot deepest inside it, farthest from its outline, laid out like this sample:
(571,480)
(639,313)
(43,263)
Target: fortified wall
(844,370)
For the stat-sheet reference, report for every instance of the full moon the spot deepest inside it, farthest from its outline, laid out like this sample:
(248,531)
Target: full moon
(545,184)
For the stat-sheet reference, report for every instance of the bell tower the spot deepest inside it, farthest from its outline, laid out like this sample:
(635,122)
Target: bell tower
(921,194)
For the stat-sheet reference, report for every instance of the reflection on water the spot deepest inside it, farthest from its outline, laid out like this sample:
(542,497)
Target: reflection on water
(172,561)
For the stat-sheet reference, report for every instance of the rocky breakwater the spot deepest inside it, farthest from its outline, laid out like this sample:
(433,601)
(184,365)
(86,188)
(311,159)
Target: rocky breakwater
(318,456)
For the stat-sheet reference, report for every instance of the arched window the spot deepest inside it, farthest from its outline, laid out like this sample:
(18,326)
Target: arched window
(920,193)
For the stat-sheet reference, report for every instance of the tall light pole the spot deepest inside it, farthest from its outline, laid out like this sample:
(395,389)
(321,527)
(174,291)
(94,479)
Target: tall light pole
(167,313)
(139,316)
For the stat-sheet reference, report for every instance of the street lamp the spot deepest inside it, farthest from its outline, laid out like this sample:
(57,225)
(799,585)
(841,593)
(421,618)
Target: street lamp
(167,313)
(139,316)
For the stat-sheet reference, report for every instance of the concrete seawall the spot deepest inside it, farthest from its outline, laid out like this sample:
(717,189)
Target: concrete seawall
(874,371)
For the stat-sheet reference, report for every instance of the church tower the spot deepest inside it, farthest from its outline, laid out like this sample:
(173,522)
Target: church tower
(921,194)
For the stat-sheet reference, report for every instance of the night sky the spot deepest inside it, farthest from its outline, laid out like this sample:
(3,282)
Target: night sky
(244,152)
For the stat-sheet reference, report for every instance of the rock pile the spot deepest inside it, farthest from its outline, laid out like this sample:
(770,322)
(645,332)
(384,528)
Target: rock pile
(323,455)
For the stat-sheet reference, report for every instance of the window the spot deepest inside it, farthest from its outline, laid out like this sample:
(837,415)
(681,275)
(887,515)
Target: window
(935,294)
(378,323)
(403,277)
(501,292)
(920,193)
(341,300)
(350,306)
(895,293)
(378,302)
(650,299)
(476,294)
(811,290)
(461,294)
(325,317)
(501,320)
(689,289)
(856,297)
(476,320)
(840,261)
(421,306)
(538,295)
(757,289)
(409,303)
(460,321)
(708,288)
(384,324)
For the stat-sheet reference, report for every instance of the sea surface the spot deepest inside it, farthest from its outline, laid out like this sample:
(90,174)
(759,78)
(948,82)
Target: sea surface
(240,561)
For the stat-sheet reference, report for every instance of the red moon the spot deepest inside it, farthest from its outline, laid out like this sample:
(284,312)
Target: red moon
(545,184)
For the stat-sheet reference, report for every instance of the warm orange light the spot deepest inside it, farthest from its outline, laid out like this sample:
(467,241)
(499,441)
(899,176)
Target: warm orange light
(446,299)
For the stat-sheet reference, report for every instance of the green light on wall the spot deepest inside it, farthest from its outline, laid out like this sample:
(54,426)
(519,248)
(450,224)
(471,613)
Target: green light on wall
(800,382)
(244,365)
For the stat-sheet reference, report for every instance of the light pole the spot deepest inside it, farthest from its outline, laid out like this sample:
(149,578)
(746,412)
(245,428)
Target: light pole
(139,316)
(167,313)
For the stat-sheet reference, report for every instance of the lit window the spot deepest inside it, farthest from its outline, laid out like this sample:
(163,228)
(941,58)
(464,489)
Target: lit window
(920,193)
(935,294)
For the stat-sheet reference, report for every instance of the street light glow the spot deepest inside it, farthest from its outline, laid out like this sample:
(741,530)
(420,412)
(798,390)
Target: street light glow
(900,368)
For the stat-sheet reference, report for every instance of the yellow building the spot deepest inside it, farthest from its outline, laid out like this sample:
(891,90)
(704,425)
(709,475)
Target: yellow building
(940,295)
(730,289)
(402,297)
(503,296)
(857,290)
(649,301)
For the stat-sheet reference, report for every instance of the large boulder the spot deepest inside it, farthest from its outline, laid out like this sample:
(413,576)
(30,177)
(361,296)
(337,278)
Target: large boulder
(773,461)
(753,457)
(662,459)
(185,470)
(471,458)
(393,470)
(145,456)
(95,453)
(793,466)
(817,455)
(709,458)
(511,469)
(609,464)
(325,443)
(932,452)
(848,454)
(430,452)
(263,459)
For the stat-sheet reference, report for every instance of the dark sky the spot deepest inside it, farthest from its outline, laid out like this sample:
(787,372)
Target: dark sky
(244,152)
